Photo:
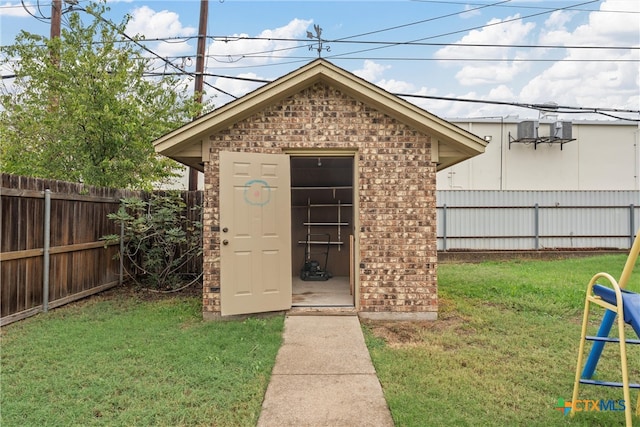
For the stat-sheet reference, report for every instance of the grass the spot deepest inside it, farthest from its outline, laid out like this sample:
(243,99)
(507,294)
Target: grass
(122,361)
(504,349)
(502,353)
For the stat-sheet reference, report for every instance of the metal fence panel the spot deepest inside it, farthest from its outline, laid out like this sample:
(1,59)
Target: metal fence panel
(534,220)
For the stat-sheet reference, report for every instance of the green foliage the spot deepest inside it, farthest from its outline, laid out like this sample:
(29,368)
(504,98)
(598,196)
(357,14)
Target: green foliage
(80,108)
(159,239)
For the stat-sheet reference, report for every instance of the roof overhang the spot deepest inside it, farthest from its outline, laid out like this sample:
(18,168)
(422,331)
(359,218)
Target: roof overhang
(189,143)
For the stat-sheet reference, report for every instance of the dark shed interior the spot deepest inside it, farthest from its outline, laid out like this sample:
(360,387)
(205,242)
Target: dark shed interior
(322,212)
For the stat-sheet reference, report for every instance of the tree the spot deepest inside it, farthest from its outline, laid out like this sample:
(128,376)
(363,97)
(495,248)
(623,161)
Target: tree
(81,108)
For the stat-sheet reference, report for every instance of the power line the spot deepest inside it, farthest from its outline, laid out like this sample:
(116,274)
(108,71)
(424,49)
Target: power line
(240,56)
(41,18)
(550,108)
(521,6)
(418,43)
(606,111)
(389,28)
(145,48)
(468,29)
(416,59)
(75,7)
(561,109)
(384,44)
(422,21)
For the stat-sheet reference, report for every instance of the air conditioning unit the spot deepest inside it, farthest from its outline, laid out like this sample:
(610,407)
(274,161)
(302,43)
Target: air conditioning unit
(560,130)
(528,130)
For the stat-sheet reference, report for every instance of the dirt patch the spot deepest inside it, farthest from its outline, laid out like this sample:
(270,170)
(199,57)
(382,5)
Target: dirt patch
(412,333)
(407,333)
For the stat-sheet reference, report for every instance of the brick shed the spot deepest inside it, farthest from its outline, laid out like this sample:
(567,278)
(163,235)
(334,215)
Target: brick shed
(320,192)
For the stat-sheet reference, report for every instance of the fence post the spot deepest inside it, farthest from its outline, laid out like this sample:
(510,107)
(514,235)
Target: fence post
(45,253)
(536,225)
(632,226)
(444,227)
(121,257)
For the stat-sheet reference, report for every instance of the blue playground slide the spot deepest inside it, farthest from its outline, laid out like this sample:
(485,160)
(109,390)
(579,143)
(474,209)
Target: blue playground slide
(631,303)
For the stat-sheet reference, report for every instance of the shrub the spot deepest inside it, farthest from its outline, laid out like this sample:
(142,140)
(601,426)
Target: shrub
(159,239)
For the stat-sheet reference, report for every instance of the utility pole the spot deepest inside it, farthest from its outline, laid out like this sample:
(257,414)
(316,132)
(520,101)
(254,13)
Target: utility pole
(56,17)
(199,82)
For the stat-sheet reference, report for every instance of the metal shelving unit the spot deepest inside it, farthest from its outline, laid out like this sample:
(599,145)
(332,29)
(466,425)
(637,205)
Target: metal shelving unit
(311,224)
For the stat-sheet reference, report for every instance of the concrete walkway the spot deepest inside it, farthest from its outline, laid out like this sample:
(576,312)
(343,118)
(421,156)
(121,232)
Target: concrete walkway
(323,376)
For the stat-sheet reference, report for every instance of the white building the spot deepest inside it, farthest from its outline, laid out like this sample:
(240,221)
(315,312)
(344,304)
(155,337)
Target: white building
(578,155)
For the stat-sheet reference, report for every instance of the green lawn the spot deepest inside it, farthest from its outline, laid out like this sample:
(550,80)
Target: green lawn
(122,361)
(502,353)
(504,348)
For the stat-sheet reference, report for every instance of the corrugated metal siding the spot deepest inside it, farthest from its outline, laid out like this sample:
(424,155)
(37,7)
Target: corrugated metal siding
(530,220)
(543,198)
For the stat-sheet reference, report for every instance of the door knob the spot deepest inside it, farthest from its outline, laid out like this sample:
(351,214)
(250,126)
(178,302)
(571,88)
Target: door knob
(225,242)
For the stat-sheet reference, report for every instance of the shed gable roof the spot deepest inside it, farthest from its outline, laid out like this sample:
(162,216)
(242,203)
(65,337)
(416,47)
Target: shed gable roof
(451,143)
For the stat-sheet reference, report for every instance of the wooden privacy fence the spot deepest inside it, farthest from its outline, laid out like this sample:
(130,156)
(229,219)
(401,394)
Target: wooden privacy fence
(50,247)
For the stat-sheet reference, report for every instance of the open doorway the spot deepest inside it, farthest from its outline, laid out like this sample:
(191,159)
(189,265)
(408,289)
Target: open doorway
(321,231)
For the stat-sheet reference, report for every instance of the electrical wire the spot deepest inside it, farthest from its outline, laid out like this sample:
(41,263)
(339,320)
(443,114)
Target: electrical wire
(40,18)
(520,6)
(466,29)
(560,109)
(145,48)
(422,21)
(550,108)
(417,42)
(308,45)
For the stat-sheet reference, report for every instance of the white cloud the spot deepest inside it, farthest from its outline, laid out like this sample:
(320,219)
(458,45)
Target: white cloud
(602,29)
(371,71)
(241,51)
(151,24)
(16,10)
(496,31)
(558,20)
(238,49)
(586,84)
(501,93)
(396,86)
(612,83)
(489,73)
(573,80)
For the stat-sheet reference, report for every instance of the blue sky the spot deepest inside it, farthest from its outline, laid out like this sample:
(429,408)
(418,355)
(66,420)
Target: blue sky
(445,58)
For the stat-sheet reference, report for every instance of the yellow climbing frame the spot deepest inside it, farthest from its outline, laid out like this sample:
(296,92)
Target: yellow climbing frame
(618,309)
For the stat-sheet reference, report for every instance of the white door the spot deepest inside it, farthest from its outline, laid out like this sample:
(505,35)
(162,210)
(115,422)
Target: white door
(255,233)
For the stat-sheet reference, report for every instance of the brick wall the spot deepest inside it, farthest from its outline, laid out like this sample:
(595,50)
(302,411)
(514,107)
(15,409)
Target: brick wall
(396,192)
